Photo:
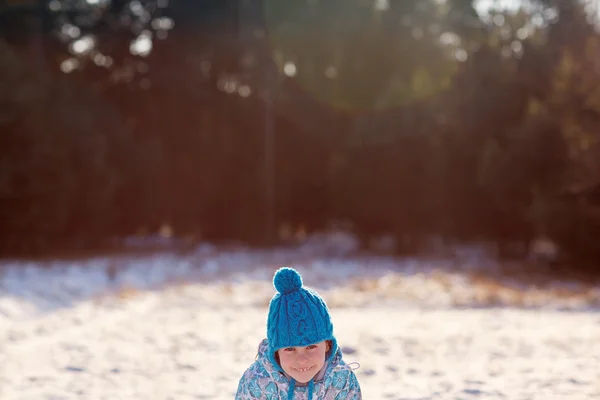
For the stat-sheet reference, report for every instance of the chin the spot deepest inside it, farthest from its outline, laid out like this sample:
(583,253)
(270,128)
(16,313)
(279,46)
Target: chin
(303,379)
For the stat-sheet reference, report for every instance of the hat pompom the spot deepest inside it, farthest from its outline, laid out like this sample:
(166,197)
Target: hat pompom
(287,280)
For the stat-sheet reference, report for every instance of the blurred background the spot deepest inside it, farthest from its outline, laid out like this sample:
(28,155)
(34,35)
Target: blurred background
(261,122)
(258,121)
(159,159)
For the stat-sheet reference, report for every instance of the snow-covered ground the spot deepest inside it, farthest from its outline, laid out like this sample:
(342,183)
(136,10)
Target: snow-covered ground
(185,326)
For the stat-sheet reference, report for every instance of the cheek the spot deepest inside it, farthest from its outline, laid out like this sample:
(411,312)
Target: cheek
(285,358)
(318,356)
(323,355)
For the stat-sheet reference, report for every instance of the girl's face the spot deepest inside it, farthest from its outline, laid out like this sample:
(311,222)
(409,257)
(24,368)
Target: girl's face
(303,363)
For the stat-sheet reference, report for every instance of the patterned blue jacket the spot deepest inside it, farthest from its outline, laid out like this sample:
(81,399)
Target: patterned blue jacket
(263,381)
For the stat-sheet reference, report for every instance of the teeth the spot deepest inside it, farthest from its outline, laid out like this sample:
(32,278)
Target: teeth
(303,369)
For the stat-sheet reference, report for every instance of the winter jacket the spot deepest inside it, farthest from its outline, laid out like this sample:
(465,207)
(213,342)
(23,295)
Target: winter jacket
(264,381)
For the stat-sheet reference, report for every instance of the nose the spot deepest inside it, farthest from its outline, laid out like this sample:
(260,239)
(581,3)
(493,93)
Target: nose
(302,358)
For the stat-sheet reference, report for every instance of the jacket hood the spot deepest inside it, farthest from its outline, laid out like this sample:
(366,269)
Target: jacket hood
(332,358)
(274,370)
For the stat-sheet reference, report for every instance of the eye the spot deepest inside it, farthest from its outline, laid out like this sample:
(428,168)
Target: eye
(289,349)
(312,346)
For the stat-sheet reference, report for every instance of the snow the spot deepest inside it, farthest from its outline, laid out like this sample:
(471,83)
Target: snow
(185,325)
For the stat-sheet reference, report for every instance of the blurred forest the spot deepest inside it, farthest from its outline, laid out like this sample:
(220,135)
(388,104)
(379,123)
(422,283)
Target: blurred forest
(229,119)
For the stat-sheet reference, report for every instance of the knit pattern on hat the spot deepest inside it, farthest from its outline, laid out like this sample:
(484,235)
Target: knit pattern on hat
(298,316)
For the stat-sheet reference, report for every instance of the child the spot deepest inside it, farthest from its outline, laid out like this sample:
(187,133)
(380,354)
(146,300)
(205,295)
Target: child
(300,358)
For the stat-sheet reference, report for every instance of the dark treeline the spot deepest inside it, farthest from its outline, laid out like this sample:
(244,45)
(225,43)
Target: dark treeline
(228,119)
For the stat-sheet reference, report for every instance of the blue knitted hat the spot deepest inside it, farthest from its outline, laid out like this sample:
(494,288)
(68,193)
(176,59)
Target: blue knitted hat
(298,316)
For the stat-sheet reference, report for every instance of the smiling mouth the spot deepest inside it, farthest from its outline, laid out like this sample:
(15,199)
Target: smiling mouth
(304,369)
